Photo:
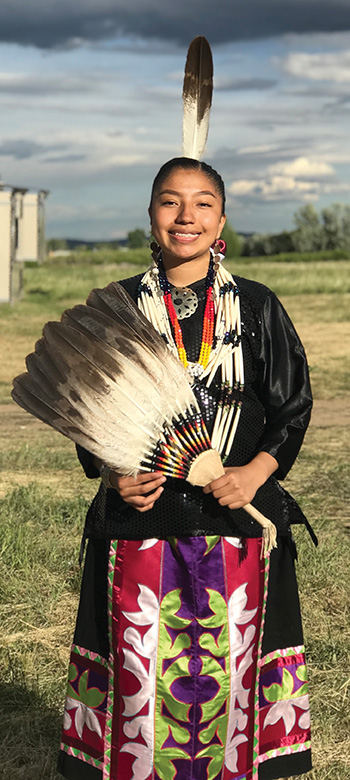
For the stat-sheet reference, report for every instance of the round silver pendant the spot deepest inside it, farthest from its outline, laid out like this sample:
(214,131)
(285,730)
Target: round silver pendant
(185,301)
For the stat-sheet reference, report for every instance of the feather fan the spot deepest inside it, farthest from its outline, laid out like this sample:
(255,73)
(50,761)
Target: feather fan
(105,378)
(196,96)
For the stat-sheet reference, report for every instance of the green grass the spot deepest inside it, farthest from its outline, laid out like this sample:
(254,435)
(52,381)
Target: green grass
(285,278)
(141,257)
(105,256)
(321,480)
(64,283)
(304,257)
(39,457)
(52,287)
(45,497)
(40,579)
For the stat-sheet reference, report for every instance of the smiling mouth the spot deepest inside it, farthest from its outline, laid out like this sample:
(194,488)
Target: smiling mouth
(184,236)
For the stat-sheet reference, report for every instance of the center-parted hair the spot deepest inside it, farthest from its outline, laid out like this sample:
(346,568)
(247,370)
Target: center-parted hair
(188,164)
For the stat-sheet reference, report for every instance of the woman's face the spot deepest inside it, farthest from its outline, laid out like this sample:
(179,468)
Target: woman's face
(186,215)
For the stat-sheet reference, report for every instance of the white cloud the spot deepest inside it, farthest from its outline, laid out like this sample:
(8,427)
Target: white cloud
(275,188)
(303,168)
(324,66)
(257,149)
(97,150)
(301,179)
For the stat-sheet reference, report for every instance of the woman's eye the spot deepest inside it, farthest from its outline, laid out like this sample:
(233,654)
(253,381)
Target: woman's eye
(208,205)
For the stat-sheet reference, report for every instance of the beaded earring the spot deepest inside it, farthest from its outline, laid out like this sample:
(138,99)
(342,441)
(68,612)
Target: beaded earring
(155,251)
(156,254)
(218,251)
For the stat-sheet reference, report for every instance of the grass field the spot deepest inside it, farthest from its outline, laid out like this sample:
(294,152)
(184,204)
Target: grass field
(44,498)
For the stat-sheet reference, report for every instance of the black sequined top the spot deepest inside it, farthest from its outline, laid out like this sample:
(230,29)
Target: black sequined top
(275,413)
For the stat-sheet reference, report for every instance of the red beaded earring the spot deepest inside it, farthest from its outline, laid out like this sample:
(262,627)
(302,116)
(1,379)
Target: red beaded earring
(219,247)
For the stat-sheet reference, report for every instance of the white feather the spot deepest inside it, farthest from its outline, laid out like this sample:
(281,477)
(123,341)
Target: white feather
(114,404)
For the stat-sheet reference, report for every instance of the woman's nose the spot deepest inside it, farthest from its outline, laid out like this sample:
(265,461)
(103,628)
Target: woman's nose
(185,214)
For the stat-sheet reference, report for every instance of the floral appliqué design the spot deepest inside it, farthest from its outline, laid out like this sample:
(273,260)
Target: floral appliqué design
(285,700)
(84,702)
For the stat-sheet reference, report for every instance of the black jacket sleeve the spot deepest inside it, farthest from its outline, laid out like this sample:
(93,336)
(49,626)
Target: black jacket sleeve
(284,386)
(86,460)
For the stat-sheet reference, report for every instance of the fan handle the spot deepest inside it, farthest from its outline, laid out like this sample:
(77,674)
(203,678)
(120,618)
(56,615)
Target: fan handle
(207,467)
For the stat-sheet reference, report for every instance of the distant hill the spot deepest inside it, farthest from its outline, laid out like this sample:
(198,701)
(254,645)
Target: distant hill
(73,243)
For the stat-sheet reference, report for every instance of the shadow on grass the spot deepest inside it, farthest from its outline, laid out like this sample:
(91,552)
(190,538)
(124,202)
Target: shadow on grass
(29,734)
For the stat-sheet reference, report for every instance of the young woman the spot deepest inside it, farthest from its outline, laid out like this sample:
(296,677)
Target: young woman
(188,656)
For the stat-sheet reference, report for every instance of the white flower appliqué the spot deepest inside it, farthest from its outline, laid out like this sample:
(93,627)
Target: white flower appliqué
(239,644)
(287,711)
(146,647)
(84,716)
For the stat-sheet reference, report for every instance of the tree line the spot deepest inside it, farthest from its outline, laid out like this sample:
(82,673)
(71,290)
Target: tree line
(313,232)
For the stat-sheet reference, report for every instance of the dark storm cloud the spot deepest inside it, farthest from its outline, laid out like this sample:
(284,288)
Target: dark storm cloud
(238,85)
(35,85)
(67,24)
(21,149)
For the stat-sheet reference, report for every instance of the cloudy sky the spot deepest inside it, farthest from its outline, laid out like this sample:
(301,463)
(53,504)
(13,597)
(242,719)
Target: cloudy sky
(90,95)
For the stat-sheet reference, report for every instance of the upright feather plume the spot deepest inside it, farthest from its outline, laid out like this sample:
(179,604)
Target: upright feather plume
(197,95)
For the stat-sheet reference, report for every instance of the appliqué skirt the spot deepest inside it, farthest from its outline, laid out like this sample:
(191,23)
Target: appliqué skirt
(187,663)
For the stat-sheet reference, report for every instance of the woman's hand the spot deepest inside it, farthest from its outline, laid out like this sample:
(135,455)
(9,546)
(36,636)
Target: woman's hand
(142,491)
(234,489)
(239,484)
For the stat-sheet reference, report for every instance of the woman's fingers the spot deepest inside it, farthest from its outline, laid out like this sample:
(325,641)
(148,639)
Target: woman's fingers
(140,485)
(232,502)
(216,484)
(233,489)
(145,503)
(141,489)
(148,476)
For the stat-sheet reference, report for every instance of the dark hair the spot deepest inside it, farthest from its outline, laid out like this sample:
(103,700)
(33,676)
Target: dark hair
(188,164)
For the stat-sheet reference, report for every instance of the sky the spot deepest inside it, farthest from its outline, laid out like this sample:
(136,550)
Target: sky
(90,102)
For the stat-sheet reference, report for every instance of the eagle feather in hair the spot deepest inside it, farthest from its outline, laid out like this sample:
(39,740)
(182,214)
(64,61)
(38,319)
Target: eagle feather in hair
(196,98)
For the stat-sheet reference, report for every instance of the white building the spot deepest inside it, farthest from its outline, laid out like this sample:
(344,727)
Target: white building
(22,235)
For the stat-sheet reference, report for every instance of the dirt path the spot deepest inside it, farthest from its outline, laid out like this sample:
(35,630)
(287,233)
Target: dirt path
(328,414)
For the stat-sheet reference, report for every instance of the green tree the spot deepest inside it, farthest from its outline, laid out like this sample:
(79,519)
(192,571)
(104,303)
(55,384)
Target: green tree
(257,245)
(56,243)
(137,239)
(309,235)
(233,241)
(336,226)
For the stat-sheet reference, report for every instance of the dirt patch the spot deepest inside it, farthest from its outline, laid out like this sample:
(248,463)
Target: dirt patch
(332,413)
(17,425)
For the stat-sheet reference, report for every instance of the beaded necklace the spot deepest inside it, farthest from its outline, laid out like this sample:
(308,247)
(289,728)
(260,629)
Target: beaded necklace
(208,319)
(221,340)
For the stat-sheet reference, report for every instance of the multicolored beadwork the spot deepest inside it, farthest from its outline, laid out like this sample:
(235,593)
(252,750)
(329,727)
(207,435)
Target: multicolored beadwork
(181,444)
(221,345)
(208,320)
